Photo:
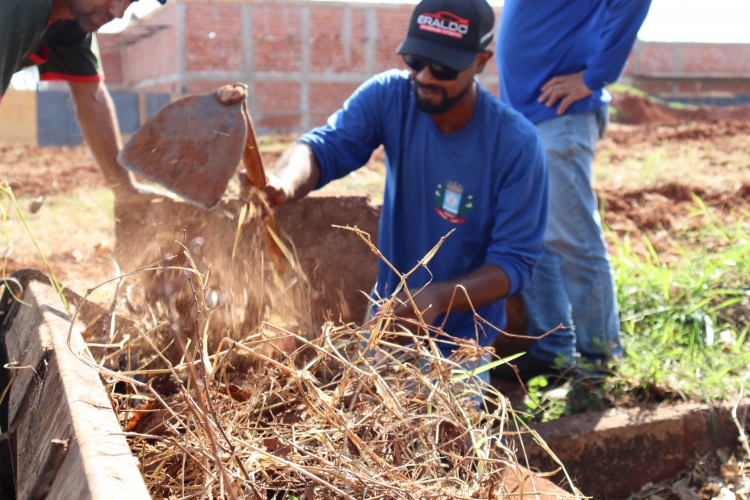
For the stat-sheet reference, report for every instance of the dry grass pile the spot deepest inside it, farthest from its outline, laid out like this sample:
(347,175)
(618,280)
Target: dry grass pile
(372,411)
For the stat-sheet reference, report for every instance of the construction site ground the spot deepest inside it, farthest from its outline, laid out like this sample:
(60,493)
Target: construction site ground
(647,173)
(645,177)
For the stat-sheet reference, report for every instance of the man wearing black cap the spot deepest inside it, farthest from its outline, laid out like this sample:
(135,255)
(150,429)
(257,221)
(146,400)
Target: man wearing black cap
(57,36)
(457,159)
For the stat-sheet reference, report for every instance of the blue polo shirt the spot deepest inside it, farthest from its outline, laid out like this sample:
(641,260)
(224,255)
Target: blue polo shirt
(541,39)
(487,183)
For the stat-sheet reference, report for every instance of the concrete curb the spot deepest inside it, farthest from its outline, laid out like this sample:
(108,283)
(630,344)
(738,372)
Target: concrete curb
(610,454)
(65,441)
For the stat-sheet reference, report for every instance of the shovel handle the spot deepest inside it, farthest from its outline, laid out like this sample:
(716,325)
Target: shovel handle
(256,174)
(230,95)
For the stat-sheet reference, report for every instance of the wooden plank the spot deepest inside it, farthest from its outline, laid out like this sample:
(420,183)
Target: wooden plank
(62,399)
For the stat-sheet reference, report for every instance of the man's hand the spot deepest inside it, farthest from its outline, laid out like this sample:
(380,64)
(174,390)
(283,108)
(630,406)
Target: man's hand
(297,173)
(276,192)
(569,88)
(431,303)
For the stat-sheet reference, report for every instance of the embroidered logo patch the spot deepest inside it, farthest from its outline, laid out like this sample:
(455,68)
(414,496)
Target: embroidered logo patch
(452,204)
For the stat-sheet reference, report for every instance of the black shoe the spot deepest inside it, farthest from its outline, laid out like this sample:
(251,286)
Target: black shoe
(528,366)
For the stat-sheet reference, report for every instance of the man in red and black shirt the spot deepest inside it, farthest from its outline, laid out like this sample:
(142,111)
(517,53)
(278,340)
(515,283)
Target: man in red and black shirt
(57,36)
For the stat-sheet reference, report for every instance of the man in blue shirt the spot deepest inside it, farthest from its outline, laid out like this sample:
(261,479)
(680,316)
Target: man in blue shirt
(555,57)
(457,159)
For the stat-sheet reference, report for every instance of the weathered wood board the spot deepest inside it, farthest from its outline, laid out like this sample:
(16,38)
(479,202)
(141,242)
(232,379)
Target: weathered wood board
(65,439)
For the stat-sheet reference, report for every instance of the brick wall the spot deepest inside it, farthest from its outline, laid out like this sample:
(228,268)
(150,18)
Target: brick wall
(150,55)
(301,59)
(109,50)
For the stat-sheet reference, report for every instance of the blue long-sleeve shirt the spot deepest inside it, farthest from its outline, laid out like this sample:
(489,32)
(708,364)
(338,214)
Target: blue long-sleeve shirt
(488,182)
(541,39)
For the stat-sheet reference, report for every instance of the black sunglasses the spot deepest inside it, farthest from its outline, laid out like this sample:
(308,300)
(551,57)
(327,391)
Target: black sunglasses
(438,70)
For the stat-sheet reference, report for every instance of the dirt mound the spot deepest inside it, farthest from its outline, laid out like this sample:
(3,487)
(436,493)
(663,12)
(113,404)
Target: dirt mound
(636,110)
(662,212)
(34,171)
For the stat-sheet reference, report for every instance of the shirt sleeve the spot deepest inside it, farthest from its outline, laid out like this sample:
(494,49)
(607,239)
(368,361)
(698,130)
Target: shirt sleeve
(623,19)
(16,22)
(72,55)
(521,210)
(351,134)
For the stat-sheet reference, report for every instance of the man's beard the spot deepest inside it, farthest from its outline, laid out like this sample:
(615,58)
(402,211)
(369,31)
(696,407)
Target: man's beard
(446,104)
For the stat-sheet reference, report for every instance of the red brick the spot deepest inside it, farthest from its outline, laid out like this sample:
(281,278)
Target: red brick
(109,50)
(144,57)
(331,49)
(276,37)
(328,97)
(392,22)
(277,96)
(213,37)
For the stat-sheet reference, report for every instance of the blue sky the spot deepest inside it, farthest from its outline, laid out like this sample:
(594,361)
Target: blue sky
(714,21)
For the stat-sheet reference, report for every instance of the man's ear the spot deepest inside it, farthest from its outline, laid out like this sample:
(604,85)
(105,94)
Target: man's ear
(482,60)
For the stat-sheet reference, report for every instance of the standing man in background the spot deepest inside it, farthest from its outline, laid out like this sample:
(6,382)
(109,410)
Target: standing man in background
(555,58)
(58,37)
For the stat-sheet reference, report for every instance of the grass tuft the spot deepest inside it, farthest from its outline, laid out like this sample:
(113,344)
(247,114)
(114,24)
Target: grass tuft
(6,190)
(684,323)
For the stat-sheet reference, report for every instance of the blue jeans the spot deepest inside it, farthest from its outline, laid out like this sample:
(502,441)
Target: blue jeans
(573,283)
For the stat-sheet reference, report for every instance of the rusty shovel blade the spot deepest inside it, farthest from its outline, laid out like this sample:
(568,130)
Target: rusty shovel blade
(191,147)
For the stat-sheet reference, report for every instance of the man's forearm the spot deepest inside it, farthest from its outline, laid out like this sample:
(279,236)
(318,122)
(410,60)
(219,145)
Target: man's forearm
(299,171)
(484,286)
(98,121)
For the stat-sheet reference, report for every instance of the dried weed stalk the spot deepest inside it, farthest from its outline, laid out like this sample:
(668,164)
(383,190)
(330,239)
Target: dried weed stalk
(372,411)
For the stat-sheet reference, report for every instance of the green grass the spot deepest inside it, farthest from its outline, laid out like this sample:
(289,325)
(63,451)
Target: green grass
(628,89)
(65,223)
(684,324)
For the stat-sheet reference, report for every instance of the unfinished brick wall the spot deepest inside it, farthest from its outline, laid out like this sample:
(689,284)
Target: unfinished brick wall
(109,51)
(300,59)
(147,54)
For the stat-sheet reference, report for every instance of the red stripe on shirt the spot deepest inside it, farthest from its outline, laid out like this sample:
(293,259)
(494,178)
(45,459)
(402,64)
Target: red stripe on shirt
(40,59)
(50,76)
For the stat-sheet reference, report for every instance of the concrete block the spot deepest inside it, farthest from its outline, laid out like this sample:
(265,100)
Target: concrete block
(154,102)
(610,454)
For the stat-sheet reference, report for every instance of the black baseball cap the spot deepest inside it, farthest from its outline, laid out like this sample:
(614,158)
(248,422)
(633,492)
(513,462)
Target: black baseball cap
(451,32)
